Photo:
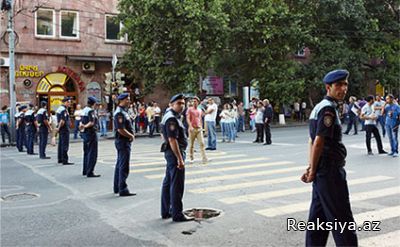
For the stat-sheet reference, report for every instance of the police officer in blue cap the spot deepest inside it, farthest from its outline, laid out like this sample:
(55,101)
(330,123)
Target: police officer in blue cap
(30,129)
(330,195)
(63,130)
(88,128)
(174,146)
(123,142)
(42,119)
(20,128)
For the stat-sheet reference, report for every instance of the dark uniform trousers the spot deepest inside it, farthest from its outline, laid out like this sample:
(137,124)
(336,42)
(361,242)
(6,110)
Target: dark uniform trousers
(20,138)
(43,135)
(172,187)
(330,203)
(30,137)
(90,147)
(63,146)
(122,167)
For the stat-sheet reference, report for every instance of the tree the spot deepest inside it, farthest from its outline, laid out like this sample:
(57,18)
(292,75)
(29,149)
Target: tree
(173,42)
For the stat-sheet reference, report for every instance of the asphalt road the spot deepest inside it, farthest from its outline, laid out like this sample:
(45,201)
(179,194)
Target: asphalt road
(257,188)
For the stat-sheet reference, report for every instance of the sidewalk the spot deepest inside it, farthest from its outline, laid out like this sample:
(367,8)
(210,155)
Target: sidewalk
(110,135)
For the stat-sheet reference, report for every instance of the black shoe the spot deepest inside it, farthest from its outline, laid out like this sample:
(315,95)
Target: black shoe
(45,158)
(93,175)
(183,219)
(383,152)
(213,149)
(59,162)
(127,194)
(345,133)
(255,141)
(67,163)
(208,148)
(166,217)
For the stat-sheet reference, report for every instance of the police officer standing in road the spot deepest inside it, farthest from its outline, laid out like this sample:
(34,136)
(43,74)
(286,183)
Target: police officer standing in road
(174,146)
(30,129)
(20,128)
(63,127)
(42,119)
(123,142)
(330,196)
(88,127)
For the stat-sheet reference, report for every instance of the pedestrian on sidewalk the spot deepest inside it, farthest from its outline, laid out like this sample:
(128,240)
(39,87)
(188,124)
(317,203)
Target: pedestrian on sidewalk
(103,119)
(330,195)
(368,115)
(259,123)
(354,111)
(193,117)
(267,118)
(210,119)
(88,128)
(174,146)
(253,111)
(225,123)
(77,117)
(5,124)
(53,124)
(150,118)
(392,113)
(241,116)
(157,117)
(378,107)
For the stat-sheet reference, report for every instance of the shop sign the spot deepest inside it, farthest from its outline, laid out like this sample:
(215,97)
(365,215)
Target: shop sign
(73,75)
(29,71)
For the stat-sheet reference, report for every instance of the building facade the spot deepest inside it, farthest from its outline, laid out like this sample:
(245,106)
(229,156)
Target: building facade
(63,48)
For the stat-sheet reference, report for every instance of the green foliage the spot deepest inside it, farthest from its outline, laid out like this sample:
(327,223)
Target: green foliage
(175,42)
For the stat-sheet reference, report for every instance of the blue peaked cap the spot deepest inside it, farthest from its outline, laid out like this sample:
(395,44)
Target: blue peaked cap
(336,75)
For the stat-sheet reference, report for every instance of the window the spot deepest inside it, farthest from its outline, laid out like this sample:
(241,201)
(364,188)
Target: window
(45,22)
(69,27)
(113,28)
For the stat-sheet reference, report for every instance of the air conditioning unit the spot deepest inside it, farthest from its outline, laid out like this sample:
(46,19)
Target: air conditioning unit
(88,67)
(4,62)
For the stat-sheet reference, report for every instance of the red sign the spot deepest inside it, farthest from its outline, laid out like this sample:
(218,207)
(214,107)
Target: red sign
(73,75)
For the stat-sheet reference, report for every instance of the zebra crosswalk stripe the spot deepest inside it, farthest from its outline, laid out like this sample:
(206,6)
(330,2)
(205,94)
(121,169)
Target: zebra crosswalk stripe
(304,206)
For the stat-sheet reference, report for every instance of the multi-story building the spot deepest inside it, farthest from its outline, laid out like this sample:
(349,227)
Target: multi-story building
(63,48)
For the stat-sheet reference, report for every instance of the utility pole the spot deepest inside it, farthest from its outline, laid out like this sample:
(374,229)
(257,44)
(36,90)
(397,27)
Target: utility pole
(11,51)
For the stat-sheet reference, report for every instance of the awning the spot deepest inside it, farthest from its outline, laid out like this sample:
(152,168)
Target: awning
(90,59)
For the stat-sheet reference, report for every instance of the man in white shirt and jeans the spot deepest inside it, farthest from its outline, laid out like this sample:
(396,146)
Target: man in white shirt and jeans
(367,114)
(378,107)
(210,119)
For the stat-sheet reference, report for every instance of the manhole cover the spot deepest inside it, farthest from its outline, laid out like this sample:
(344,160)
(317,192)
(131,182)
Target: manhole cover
(19,197)
(202,213)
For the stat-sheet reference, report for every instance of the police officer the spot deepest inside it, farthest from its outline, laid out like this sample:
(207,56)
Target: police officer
(330,196)
(20,128)
(42,119)
(88,127)
(174,146)
(30,129)
(63,127)
(123,141)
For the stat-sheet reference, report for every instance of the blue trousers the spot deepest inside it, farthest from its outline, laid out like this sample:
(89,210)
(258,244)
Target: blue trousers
(240,124)
(121,172)
(393,138)
(212,134)
(381,121)
(63,146)
(330,203)
(172,187)
(90,150)
(30,138)
(76,128)
(43,135)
